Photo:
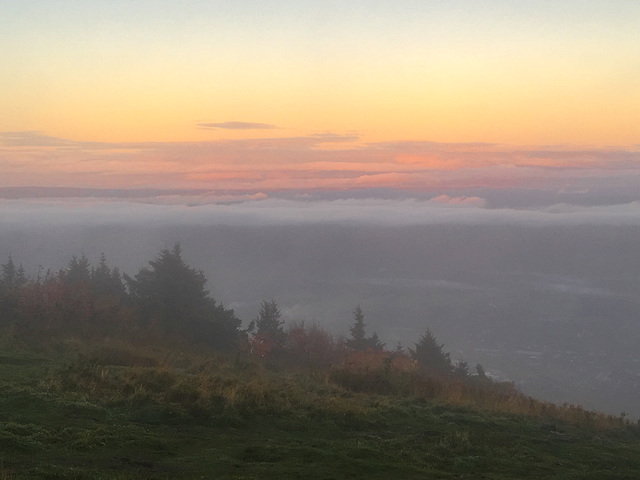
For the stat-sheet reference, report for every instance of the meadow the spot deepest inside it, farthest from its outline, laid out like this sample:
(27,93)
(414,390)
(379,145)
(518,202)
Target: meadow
(114,409)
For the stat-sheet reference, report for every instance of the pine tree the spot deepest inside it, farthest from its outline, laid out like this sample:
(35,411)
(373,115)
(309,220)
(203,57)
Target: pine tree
(358,339)
(10,282)
(461,369)
(269,322)
(21,276)
(431,356)
(374,343)
(9,272)
(106,281)
(171,296)
(78,272)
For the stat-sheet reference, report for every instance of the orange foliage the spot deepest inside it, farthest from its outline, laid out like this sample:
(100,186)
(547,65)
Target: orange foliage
(262,345)
(314,346)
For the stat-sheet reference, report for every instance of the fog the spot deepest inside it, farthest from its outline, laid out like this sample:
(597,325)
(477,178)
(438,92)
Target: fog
(259,209)
(545,296)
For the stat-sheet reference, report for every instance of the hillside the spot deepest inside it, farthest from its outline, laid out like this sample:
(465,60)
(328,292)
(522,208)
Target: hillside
(111,409)
(106,375)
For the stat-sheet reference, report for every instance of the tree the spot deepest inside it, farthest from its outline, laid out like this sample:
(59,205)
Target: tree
(10,284)
(269,325)
(461,369)
(171,296)
(78,272)
(21,277)
(69,300)
(309,346)
(359,341)
(375,343)
(430,356)
(9,272)
(111,312)
(106,281)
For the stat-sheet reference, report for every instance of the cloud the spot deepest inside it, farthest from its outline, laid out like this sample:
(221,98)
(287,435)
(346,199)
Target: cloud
(210,208)
(333,137)
(237,126)
(32,138)
(461,201)
(425,147)
(326,161)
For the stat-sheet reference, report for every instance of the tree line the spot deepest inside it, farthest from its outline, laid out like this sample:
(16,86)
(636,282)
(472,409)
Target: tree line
(168,299)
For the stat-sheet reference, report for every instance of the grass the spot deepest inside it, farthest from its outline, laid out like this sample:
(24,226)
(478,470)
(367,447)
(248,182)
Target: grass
(113,411)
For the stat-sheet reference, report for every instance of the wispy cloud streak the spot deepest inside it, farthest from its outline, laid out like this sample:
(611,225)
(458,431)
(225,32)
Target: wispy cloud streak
(237,126)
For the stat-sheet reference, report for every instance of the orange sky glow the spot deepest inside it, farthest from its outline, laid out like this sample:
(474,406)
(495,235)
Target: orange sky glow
(409,95)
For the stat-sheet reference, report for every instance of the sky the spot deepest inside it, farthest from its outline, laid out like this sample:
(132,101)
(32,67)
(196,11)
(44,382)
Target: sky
(262,97)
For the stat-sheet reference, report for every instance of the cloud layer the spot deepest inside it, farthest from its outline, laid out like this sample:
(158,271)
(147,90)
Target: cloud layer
(259,209)
(451,173)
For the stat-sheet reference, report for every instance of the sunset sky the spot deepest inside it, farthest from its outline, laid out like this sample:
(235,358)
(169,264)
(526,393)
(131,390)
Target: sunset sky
(319,95)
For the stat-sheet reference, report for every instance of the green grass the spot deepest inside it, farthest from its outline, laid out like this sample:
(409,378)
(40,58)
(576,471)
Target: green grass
(114,412)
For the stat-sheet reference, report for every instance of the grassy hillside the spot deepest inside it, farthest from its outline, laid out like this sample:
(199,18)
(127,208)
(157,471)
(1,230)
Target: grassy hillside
(113,410)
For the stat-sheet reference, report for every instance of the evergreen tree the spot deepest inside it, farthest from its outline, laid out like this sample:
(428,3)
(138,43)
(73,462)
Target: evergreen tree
(431,356)
(12,279)
(461,369)
(359,341)
(374,342)
(21,277)
(78,272)
(171,296)
(269,322)
(9,272)
(12,276)
(106,281)
(68,300)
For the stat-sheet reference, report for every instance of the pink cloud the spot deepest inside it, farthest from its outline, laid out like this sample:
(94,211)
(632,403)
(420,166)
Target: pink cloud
(461,201)
(303,162)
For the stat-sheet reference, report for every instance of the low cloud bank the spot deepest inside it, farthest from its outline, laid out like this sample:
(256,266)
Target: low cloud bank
(259,209)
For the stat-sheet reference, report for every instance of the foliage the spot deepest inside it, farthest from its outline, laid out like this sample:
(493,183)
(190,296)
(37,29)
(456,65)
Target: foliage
(431,357)
(12,276)
(358,340)
(168,298)
(11,282)
(107,282)
(171,296)
(461,369)
(269,339)
(71,302)
(269,322)
(311,347)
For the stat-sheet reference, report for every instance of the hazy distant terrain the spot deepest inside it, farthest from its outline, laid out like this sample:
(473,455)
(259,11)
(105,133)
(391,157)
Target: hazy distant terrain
(554,308)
